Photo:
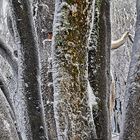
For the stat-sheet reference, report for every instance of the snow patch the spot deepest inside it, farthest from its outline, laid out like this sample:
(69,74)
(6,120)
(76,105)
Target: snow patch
(6,124)
(4,5)
(115,136)
(92,98)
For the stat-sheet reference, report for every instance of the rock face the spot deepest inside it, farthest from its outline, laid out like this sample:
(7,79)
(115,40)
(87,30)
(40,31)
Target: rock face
(99,67)
(69,64)
(43,22)
(7,126)
(12,116)
(131,114)
(8,76)
(13,74)
(123,16)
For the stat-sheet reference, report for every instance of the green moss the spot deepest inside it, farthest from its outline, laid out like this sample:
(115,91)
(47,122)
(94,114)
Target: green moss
(70,1)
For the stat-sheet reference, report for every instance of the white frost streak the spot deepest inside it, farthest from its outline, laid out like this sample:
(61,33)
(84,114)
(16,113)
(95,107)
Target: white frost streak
(91,21)
(3,14)
(91,96)
(56,26)
(4,5)
(6,125)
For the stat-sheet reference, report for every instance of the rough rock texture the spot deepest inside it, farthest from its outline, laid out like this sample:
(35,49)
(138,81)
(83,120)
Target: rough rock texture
(123,16)
(28,70)
(43,12)
(69,62)
(99,67)
(131,115)
(8,75)
(13,104)
(7,126)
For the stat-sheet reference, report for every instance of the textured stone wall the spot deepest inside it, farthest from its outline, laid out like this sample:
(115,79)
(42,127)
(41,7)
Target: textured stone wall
(123,16)
(8,75)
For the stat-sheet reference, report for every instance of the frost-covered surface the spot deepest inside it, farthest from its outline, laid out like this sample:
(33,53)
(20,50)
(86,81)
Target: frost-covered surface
(7,126)
(69,72)
(115,136)
(8,61)
(76,96)
(8,66)
(7,80)
(6,32)
(43,24)
(98,67)
(28,71)
(11,72)
(92,97)
(131,115)
(123,14)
